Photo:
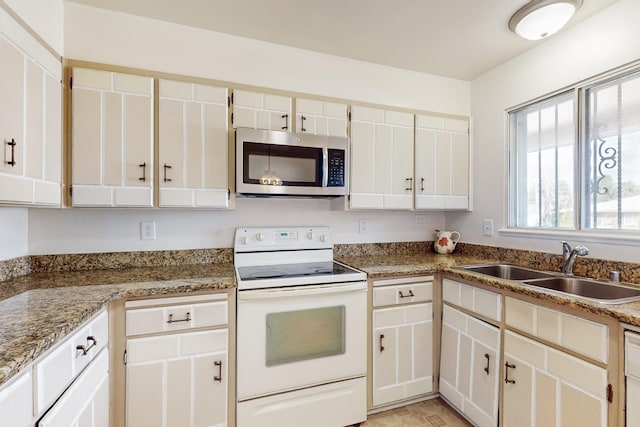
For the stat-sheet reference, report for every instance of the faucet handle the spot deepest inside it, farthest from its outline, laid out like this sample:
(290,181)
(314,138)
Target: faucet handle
(581,250)
(566,249)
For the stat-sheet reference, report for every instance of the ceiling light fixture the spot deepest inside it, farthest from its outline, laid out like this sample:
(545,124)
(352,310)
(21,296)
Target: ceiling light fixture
(541,18)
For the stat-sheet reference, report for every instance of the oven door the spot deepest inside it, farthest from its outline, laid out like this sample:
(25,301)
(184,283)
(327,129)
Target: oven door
(291,338)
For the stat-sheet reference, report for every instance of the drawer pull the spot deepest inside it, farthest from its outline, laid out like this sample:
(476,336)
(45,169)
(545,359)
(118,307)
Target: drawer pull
(508,365)
(381,346)
(85,349)
(218,364)
(409,295)
(12,144)
(486,368)
(186,319)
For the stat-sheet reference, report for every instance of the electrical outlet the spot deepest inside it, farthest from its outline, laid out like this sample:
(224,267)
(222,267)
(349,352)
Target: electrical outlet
(363,226)
(148,230)
(421,219)
(487,227)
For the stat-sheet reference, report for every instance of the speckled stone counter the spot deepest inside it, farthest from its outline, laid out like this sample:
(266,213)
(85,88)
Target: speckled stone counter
(430,263)
(38,310)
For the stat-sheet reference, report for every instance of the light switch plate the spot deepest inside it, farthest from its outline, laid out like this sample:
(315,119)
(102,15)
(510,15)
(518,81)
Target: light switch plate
(148,230)
(487,227)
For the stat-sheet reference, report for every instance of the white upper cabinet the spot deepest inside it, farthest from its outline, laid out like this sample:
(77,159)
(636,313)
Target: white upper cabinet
(442,163)
(193,145)
(321,117)
(30,119)
(112,139)
(381,159)
(258,110)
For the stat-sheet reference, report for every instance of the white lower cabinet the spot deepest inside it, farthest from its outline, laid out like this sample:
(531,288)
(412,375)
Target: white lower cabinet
(177,377)
(402,340)
(632,377)
(469,366)
(547,387)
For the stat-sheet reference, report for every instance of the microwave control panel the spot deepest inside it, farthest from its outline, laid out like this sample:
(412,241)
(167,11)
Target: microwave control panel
(335,176)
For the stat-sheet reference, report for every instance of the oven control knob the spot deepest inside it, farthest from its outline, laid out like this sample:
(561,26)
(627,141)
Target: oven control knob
(244,240)
(260,237)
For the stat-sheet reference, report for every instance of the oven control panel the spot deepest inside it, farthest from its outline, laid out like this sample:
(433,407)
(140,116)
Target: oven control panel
(282,238)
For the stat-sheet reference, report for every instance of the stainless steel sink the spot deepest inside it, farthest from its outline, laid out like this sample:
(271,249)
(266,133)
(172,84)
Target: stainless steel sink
(506,271)
(603,292)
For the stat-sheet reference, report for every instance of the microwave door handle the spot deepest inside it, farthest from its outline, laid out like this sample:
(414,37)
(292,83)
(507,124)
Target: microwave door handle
(325,167)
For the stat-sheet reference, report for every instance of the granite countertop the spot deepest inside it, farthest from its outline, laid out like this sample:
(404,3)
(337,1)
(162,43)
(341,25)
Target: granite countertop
(430,263)
(38,310)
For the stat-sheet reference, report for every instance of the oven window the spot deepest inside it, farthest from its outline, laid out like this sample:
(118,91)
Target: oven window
(294,336)
(297,166)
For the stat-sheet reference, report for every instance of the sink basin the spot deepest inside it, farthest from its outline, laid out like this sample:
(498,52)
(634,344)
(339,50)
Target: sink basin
(506,271)
(602,292)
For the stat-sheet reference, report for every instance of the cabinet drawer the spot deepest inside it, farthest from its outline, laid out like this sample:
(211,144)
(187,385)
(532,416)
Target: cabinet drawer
(574,333)
(59,367)
(402,294)
(189,313)
(480,301)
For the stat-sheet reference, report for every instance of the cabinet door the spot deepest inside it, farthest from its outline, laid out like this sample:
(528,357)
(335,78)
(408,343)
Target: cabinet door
(442,163)
(30,123)
(469,366)
(16,401)
(86,402)
(382,159)
(258,110)
(321,117)
(547,387)
(402,353)
(112,139)
(177,380)
(193,145)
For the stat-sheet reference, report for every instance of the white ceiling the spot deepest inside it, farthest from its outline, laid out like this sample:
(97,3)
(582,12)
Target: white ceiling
(454,38)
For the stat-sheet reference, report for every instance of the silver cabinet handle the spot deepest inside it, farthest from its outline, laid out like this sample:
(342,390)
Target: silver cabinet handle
(186,319)
(218,364)
(508,365)
(409,295)
(85,348)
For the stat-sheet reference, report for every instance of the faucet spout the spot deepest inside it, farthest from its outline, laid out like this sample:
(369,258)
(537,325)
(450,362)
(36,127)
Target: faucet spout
(569,256)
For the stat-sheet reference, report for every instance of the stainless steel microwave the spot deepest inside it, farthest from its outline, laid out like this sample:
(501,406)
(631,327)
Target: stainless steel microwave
(284,164)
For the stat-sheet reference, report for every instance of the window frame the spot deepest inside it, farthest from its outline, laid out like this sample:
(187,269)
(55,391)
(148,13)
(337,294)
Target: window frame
(579,90)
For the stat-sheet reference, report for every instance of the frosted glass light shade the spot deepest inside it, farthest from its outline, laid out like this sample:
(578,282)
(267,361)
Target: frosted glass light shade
(541,18)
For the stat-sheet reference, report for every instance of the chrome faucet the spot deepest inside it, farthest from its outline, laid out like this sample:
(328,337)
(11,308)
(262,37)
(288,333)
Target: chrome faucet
(569,256)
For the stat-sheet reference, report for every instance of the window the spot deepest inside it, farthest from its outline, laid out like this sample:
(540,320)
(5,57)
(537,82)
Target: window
(549,166)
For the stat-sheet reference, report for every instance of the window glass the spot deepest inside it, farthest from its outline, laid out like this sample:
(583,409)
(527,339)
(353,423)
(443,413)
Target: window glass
(611,190)
(543,150)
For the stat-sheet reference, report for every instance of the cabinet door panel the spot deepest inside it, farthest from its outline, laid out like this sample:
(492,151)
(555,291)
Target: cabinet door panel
(402,165)
(171,136)
(12,106)
(144,395)
(517,396)
(16,401)
(383,157)
(86,136)
(385,357)
(423,349)
(483,380)
(34,137)
(459,165)
(53,130)
(137,127)
(178,399)
(443,156)
(362,147)
(216,147)
(113,143)
(546,398)
(194,146)
(210,394)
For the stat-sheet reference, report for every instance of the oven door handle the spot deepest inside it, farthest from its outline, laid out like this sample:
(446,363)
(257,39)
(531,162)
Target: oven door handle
(258,294)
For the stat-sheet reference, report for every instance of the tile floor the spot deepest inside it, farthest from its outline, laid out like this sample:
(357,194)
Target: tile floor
(430,413)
